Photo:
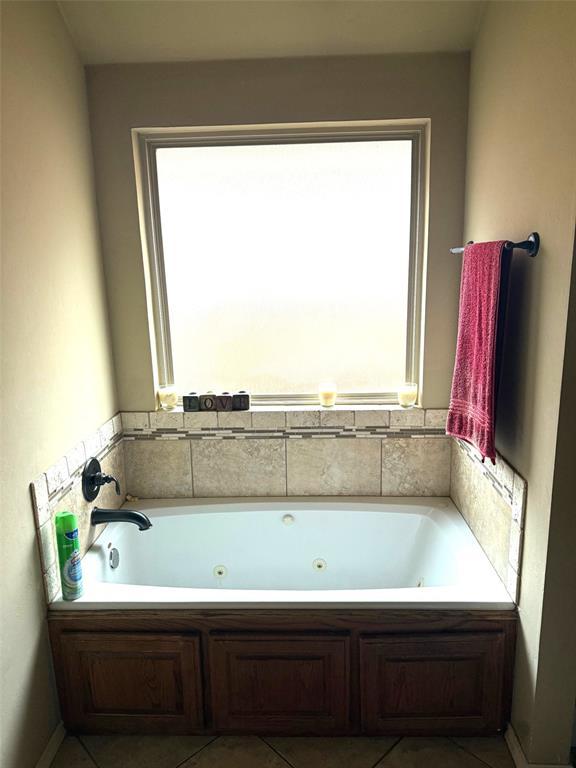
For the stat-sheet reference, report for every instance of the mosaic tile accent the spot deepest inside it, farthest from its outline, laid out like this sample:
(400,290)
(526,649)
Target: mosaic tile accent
(59,488)
(492,499)
(261,424)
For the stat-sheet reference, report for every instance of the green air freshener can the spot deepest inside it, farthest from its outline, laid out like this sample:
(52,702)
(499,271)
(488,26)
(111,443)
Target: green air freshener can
(69,555)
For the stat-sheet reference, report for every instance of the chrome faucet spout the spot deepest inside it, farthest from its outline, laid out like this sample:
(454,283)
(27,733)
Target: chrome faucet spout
(120,516)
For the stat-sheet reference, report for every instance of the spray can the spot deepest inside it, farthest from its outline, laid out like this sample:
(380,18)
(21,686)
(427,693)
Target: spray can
(69,555)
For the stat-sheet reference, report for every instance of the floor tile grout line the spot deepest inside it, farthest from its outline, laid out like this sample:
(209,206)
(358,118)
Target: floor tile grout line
(285,760)
(85,748)
(280,755)
(387,751)
(378,760)
(469,752)
(197,752)
(178,765)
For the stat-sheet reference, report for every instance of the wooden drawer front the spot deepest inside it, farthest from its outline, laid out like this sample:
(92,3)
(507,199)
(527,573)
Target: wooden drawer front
(271,684)
(131,682)
(432,683)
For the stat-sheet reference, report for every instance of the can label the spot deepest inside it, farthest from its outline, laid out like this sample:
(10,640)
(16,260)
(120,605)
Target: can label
(72,577)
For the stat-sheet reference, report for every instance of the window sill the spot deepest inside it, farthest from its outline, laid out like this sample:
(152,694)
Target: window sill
(260,407)
(288,420)
(263,408)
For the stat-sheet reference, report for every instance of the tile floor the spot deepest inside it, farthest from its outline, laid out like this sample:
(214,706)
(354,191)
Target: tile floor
(275,752)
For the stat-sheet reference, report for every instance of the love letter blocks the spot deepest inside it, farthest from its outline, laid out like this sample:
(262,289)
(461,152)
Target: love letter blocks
(209,401)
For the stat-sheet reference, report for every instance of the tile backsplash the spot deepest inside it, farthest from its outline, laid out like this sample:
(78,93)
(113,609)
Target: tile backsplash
(239,467)
(360,452)
(158,469)
(275,452)
(332,467)
(492,500)
(60,488)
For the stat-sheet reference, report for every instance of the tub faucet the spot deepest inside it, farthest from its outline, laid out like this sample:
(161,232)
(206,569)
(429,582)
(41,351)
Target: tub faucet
(120,516)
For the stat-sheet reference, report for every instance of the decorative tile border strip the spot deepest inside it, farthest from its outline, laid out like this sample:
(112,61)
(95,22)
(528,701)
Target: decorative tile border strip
(290,424)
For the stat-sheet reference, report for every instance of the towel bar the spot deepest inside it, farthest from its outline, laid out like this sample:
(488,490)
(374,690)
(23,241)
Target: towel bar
(531,245)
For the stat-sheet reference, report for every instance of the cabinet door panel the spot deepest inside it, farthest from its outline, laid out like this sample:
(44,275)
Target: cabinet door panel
(131,682)
(432,683)
(271,684)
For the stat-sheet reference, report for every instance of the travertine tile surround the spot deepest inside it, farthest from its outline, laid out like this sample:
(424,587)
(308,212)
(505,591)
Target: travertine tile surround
(308,452)
(492,500)
(373,452)
(60,488)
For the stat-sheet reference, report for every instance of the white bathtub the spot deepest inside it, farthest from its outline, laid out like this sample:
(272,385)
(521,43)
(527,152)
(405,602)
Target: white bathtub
(336,553)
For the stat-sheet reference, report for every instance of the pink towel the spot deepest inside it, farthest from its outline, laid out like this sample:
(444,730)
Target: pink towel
(471,412)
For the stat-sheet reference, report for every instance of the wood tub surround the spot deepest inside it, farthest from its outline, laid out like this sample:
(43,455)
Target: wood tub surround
(290,671)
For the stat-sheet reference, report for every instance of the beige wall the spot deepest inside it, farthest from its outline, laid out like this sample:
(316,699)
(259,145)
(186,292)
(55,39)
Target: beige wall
(521,176)
(381,87)
(56,364)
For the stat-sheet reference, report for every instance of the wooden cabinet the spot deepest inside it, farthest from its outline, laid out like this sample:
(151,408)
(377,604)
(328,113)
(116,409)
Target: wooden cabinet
(284,671)
(131,682)
(280,684)
(430,683)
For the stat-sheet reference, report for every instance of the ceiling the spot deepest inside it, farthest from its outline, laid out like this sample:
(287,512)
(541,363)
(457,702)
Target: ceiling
(120,31)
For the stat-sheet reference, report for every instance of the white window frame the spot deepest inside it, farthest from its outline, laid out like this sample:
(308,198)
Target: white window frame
(146,141)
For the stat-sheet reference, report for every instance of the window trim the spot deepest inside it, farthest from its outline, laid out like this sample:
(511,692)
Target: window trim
(147,140)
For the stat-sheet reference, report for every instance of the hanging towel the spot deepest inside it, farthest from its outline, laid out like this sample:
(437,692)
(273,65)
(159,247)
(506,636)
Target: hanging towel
(472,402)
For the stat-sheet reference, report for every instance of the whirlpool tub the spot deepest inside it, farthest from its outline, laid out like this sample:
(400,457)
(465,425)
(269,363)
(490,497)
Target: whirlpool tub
(339,617)
(335,553)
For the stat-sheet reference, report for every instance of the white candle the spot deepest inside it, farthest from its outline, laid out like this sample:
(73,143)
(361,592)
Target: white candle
(407,394)
(168,398)
(327,394)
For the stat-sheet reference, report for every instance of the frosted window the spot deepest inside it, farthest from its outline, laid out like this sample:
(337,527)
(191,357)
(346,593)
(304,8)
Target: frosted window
(287,264)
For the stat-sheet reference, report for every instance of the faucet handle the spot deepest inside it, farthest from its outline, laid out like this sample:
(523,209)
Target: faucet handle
(93,478)
(101,479)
